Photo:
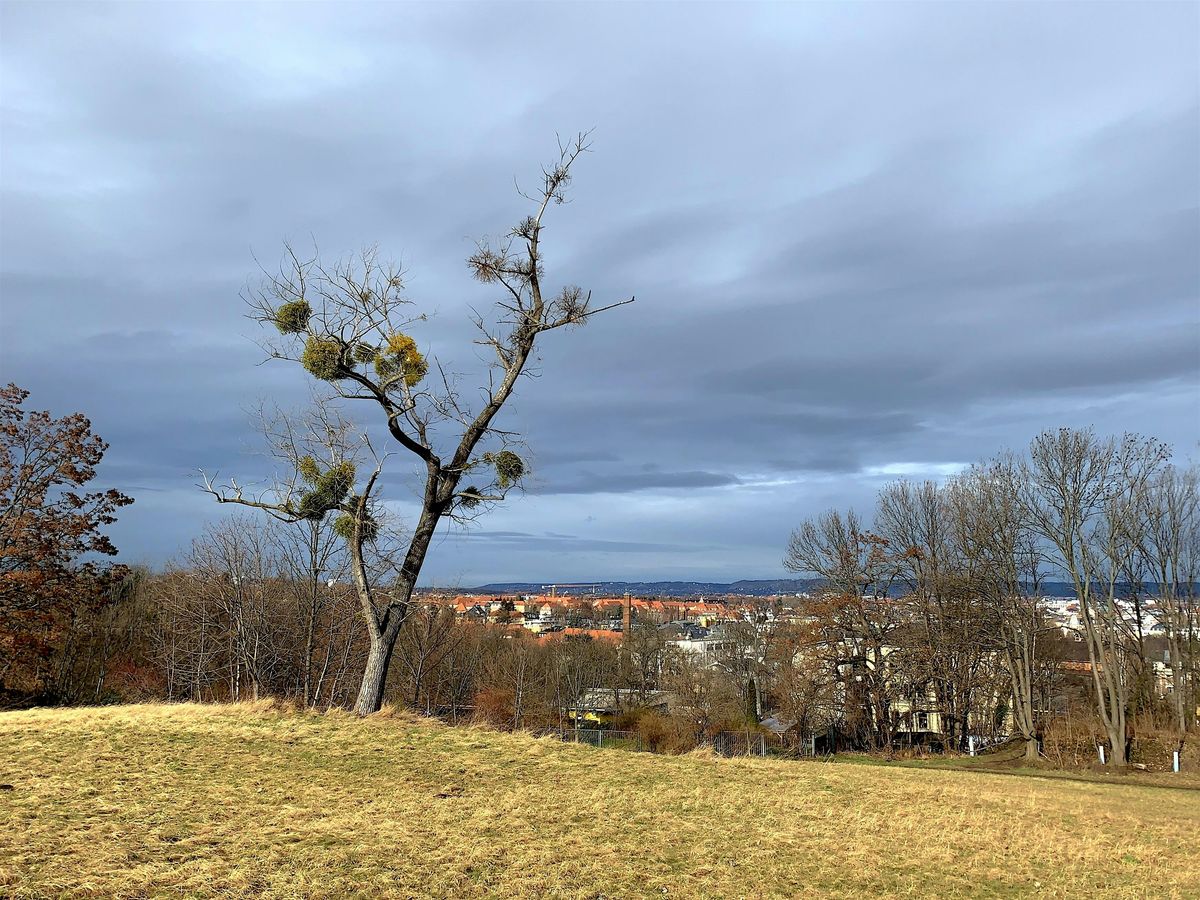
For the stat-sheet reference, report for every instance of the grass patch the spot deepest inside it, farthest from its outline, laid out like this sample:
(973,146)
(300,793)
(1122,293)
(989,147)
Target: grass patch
(1012,762)
(257,800)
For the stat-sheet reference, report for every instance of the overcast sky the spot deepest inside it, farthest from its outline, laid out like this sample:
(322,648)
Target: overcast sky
(866,241)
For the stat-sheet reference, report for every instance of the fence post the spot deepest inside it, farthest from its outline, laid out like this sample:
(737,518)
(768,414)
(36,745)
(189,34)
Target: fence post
(1175,762)
(600,737)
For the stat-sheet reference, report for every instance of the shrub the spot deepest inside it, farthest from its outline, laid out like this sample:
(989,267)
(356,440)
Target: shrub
(495,707)
(665,734)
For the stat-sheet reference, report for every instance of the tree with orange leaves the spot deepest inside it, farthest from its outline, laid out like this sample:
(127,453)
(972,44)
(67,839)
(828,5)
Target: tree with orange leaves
(48,523)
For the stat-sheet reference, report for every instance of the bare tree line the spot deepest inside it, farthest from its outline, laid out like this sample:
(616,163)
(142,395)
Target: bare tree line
(1113,515)
(260,608)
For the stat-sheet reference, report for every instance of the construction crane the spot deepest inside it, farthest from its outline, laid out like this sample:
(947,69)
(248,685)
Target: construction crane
(554,587)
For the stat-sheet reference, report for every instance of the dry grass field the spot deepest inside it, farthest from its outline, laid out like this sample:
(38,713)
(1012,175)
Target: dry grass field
(254,800)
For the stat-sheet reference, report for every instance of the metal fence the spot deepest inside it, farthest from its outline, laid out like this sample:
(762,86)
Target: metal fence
(604,737)
(739,743)
(796,745)
(724,743)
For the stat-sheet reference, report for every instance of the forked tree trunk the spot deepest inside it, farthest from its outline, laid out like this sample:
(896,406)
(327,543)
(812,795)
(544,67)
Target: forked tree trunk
(1031,749)
(379,658)
(1019,656)
(1118,741)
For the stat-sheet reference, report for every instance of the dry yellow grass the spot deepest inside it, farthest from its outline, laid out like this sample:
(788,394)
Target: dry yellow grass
(255,800)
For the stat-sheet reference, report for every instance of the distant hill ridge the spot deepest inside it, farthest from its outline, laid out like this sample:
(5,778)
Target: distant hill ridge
(746,587)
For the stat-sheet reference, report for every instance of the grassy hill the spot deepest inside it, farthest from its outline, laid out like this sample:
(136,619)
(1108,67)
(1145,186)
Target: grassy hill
(255,800)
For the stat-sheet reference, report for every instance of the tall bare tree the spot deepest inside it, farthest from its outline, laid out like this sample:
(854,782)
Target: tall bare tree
(1171,549)
(857,618)
(1004,567)
(582,664)
(1081,495)
(916,520)
(428,637)
(347,325)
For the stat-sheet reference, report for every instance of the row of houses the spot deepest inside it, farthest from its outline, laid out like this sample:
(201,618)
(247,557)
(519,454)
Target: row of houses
(532,607)
(1064,613)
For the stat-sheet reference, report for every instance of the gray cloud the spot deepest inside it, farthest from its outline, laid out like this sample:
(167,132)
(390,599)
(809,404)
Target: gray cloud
(863,240)
(550,542)
(626,482)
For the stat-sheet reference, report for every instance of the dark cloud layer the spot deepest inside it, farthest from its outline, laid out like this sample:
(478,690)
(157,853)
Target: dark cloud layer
(867,241)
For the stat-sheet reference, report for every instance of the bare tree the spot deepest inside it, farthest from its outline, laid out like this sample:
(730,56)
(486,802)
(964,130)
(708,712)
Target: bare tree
(1081,494)
(851,559)
(310,544)
(950,654)
(1004,566)
(318,459)
(641,658)
(218,616)
(312,557)
(428,637)
(346,324)
(856,617)
(583,664)
(802,682)
(1171,550)
(706,699)
(236,571)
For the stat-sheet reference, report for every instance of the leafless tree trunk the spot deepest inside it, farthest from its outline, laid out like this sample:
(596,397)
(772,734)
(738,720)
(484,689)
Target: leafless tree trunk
(1081,497)
(345,325)
(1003,564)
(1171,549)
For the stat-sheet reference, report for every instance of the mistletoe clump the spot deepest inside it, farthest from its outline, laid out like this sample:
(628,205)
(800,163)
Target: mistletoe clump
(292,318)
(329,488)
(322,358)
(509,467)
(365,353)
(469,498)
(309,470)
(338,480)
(401,359)
(343,525)
(312,506)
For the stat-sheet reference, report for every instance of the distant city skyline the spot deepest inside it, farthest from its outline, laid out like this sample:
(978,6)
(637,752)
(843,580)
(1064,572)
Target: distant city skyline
(868,241)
